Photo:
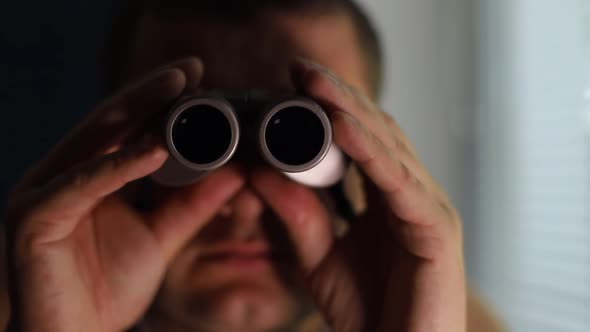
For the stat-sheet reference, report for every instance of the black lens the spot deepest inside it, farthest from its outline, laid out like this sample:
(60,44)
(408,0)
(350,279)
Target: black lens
(201,134)
(295,135)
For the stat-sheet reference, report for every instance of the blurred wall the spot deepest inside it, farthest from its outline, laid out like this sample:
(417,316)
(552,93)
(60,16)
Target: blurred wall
(534,162)
(49,79)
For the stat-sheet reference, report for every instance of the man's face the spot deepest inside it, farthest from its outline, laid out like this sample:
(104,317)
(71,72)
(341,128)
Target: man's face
(238,274)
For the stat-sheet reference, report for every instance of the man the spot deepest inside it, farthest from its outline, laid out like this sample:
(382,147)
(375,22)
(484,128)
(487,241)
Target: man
(244,249)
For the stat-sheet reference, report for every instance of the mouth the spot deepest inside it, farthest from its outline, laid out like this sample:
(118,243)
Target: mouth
(239,256)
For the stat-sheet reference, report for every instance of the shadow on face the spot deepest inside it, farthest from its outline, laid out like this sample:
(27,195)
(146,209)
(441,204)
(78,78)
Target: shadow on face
(238,274)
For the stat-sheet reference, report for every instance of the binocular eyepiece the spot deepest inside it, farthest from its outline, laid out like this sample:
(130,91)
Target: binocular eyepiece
(293,135)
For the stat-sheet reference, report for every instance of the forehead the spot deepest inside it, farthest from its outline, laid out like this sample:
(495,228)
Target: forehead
(241,55)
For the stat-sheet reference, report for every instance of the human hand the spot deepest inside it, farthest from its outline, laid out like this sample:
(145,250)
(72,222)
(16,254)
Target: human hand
(400,266)
(82,258)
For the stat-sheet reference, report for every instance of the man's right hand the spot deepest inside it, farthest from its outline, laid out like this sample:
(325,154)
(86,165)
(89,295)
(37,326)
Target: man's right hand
(83,260)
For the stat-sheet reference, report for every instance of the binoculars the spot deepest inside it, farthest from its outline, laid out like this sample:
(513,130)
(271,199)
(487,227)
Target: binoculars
(292,134)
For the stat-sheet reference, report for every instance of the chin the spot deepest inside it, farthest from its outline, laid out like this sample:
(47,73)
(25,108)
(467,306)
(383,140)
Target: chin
(243,303)
(246,308)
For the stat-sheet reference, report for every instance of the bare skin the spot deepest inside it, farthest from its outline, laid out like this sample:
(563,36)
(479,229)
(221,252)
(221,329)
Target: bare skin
(85,260)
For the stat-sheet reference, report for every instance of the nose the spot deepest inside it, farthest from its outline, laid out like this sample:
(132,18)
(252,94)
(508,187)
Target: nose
(240,220)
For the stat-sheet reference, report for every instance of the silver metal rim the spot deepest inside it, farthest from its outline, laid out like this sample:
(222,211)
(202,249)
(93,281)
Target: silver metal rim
(223,106)
(314,108)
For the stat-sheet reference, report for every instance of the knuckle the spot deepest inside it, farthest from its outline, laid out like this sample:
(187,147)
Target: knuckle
(364,101)
(367,158)
(399,145)
(30,233)
(115,163)
(390,123)
(374,147)
(387,119)
(73,180)
(320,81)
(83,178)
(27,243)
(451,213)
(79,180)
(403,176)
(450,210)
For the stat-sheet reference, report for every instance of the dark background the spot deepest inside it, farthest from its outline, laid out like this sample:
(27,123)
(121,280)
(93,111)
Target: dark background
(49,75)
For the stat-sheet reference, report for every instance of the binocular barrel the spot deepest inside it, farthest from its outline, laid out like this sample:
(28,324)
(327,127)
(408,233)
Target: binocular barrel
(295,135)
(292,135)
(201,134)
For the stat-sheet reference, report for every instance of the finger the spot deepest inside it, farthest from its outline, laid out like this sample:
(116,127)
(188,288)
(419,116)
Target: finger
(306,219)
(107,126)
(421,221)
(405,193)
(60,205)
(144,97)
(375,141)
(337,96)
(140,102)
(422,240)
(185,212)
(324,86)
(193,69)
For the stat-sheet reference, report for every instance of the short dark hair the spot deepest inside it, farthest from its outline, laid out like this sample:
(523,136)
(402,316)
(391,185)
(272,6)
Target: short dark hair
(123,29)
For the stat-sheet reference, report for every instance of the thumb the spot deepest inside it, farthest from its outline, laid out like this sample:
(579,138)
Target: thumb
(186,211)
(307,221)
